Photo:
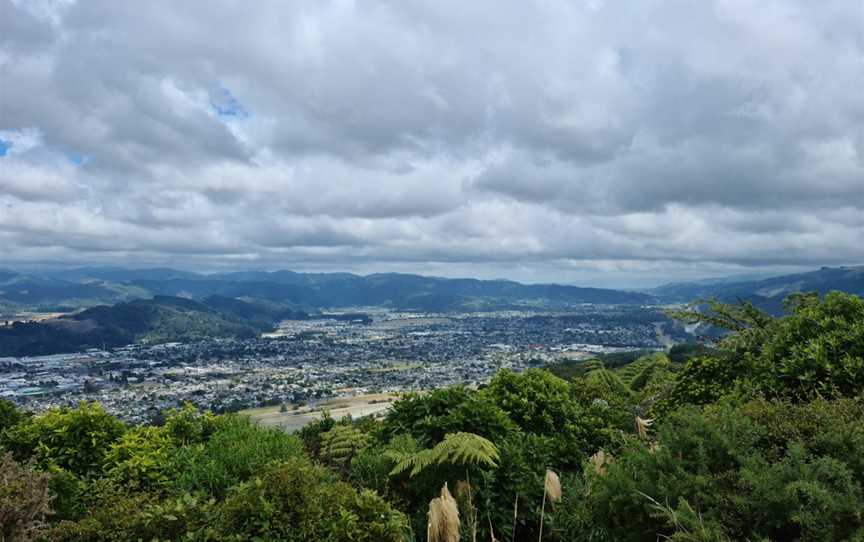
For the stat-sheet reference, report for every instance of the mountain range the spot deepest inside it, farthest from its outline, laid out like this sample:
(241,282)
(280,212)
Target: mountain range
(767,293)
(73,289)
(306,291)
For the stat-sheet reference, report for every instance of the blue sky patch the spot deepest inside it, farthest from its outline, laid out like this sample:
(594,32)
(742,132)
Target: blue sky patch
(4,147)
(75,158)
(226,105)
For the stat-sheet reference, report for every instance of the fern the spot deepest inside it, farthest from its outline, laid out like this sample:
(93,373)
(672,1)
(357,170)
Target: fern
(455,449)
(609,382)
(343,442)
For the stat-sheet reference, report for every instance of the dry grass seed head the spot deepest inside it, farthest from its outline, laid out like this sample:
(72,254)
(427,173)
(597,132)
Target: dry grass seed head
(598,461)
(443,518)
(642,426)
(553,486)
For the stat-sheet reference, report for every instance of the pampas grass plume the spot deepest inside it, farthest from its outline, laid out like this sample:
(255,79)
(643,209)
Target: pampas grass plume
(553,486)
(598,461)
(642,425)
(443,518)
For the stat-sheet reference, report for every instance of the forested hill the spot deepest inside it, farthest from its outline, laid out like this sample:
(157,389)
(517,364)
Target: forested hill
(91,286)
(161,319)
(767,294)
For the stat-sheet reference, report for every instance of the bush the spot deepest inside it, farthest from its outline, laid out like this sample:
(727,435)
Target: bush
(428,418)
(536,400)
(24,500)
(818,350)
(10,416)
(235,451)
(761,469)
(73,439)
(140,459)
(188,425)
(295,501)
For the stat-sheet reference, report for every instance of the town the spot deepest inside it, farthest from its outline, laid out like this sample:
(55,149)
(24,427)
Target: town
(355,352)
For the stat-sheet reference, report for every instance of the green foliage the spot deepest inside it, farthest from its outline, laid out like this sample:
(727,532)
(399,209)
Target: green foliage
(140,516)
(638,374)
(744,474)
(235,451)
(186,517)
(680,353)
(140,458)
(687,524)
(608,385)
(67,491)
(704,379)
(519,477)
(749,326)
(455,449)
(75,439)
(802,497)
(10,416)
(340,444)
(429,417)
(817,350)
(311,433)
(536,400)
(297,502)
(24,500)
(188,425)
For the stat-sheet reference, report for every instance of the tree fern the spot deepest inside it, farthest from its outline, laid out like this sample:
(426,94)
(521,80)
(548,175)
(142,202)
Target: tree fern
(342,442)
(455,449)
(608,382)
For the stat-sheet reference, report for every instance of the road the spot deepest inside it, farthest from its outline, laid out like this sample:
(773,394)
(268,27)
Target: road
(293,420)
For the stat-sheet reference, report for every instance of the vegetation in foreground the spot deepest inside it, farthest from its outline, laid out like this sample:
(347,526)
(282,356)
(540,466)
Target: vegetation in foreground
(758,438)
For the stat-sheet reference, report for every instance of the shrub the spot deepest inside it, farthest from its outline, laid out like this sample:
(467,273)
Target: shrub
(428,418)
(235,451)
(294,501)
(74,439)
(188,425)
(24,500)
(818,350)
(761,469)
(139,460)
(9,416)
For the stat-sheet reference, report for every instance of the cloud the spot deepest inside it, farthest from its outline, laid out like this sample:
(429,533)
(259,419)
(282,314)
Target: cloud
(541,140)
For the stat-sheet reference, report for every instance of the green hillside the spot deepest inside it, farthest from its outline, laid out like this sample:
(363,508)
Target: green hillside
(158,320)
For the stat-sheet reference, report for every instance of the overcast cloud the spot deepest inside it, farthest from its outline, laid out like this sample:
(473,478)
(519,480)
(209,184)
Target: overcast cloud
(596,142)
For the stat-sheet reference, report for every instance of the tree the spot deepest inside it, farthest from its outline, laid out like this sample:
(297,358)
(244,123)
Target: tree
(816,350)
(536,400)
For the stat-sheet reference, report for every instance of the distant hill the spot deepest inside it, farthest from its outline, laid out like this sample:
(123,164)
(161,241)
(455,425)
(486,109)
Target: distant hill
(117,274)
(158,320)
(303,291)
(769,293)
(33,291)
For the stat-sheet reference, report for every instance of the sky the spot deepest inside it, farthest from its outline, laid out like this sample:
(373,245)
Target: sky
(604,143)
